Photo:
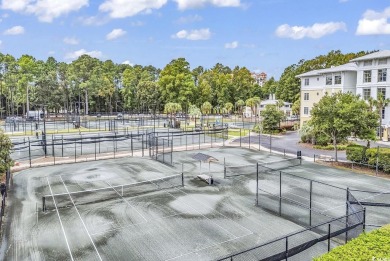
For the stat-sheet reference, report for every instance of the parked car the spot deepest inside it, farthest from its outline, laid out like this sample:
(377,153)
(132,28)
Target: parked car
(119,115)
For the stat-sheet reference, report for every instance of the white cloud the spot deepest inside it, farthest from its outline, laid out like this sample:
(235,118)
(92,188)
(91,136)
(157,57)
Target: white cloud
(93,20)
(114,34)
(232,45)
(15,30)
(188,4)
(374,23)
(76,54)
(137,24)
(123,8)
(71,41)
(315,31)
(201,34)
(128,62)
(189,19)
(45,10)
(15,5)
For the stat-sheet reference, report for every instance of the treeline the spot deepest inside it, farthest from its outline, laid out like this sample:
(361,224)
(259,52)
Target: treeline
(92,85)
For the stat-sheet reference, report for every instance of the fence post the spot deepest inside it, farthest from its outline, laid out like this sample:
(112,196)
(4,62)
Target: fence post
(95,148)
(364,219)
(286,248)
(270,142)
(240,137)
(75,150)
(81,147)
(224,168)
(43,204)
(131,143)
(310,201)
(113,145)
(62,146)
(257,183)
(52,146)
(249,139)
(29,151)
(347,213)
(280,193)
(142,141)
(328,237)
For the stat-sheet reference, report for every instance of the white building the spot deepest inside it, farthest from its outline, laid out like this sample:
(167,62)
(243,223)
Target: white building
(286,108)
(372,78)
(317,83)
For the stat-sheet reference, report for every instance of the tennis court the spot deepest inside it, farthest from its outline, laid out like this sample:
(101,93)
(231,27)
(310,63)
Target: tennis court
(138,208)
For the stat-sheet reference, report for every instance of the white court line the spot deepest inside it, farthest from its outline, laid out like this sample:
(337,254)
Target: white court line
(344,177)
(208,208)
(136,224)
(59,217)
(82,221)
(127,202)
(205,216)
(209,246)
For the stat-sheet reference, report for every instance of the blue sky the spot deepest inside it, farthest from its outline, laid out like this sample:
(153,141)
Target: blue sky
(262,35)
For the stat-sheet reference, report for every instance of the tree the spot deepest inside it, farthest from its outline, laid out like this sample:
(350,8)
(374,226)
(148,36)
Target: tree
(194,111)
(340,114)
(271,118)
(177,84)
(228,107)
(240,105)
(206,108)
(172,108)
(252,103)
(5,152)
(380,103)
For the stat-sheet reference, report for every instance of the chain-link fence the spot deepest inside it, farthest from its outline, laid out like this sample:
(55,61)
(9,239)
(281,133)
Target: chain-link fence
(56,149)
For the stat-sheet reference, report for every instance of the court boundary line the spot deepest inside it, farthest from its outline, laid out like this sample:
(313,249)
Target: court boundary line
(82,221)
(127,202)
(59,217)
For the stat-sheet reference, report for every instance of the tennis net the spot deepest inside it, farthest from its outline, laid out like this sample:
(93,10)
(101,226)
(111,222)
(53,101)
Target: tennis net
(279,165)
(98,195)
(231,171)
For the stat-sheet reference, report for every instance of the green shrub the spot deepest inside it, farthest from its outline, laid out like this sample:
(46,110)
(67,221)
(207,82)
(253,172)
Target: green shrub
(331,147)
(322,140)
(368,246)
(356,153)
(383,158)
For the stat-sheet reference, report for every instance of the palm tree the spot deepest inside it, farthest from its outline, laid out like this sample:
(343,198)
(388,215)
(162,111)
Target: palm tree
(381,103)
(228,107)
(239,105)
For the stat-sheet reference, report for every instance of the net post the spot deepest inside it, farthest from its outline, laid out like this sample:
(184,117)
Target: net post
(280,193)
(328,237)
(142,141)
(43,204)
(257,183)
(240,137)
(122,190)
(182,178)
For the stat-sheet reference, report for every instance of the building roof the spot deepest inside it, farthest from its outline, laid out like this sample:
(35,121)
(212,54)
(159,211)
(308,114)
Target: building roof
(351,67)
(376,55)
(273,102)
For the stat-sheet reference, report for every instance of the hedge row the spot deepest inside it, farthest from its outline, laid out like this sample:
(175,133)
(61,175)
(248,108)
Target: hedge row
(358,153)
(368,246)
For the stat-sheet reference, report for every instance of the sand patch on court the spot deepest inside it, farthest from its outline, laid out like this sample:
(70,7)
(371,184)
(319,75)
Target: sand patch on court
(196,204)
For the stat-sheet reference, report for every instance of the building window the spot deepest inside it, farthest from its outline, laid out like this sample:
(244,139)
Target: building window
(306,110)
(383,113)
(367,63)
(306,96)
(382,75)
(366,94)
(367,76)
(328,80)
(337,79)
(383,91)
(382,61)
(307,82)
